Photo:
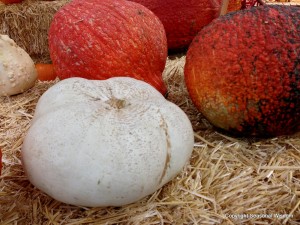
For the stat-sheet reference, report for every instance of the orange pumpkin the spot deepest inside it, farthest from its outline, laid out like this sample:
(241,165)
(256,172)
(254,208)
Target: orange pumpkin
(11,1)
(45,71)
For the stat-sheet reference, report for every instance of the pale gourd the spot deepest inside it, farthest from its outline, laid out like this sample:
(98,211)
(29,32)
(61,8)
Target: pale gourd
(17,70)
(105,142)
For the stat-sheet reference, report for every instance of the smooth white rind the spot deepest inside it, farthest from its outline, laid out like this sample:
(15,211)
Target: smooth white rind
(82,150)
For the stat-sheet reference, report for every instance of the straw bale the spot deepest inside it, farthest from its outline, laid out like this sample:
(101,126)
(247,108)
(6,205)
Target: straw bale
(227,181)
(27,23)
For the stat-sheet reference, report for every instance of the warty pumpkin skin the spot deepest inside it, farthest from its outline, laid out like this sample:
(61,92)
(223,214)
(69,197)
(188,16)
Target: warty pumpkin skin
(243,71)
(102,39)
(17,71)
(105,142)
(183,19)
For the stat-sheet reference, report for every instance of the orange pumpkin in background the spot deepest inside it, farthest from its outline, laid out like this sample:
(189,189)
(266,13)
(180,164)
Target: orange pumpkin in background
(45,71)
(11,1)
(183,19)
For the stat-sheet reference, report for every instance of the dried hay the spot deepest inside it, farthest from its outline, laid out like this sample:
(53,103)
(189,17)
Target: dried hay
(27,23)
(283,2)
(228,180)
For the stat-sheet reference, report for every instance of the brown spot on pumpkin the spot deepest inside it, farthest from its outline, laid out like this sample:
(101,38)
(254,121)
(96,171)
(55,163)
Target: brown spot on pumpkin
(193,25)
(140,12)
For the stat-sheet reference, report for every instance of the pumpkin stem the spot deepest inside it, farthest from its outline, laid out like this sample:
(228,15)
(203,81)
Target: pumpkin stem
(224,7)
(116,103)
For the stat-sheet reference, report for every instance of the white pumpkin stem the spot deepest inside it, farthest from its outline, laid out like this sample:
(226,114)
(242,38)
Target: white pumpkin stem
(116,103)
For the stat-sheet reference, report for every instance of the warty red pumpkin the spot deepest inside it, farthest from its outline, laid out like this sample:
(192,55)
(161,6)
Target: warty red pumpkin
(243,71)
(102,39)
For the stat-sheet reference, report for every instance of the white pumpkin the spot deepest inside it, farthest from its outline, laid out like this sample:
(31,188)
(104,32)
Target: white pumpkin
(105,143)
(17,70)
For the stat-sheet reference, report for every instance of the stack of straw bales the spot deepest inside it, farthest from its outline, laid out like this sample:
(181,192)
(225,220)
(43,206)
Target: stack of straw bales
(227,181)
(28,23)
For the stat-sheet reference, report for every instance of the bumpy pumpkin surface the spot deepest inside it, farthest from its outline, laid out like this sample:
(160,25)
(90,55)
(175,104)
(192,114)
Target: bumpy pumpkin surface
(102,39)
(183,19)
(17,71)
(243,71)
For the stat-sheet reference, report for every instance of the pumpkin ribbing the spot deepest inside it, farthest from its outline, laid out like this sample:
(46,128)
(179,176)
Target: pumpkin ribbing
(105,143)
(102,39)
(242,71)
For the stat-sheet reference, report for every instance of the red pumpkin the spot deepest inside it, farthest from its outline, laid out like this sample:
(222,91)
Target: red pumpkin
(11,1)
(102,39)
(243,71)
(183,19)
